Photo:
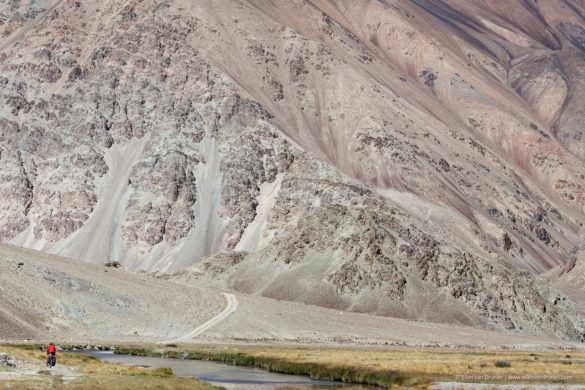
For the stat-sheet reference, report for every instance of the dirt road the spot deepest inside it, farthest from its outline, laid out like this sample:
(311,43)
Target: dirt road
(231,306)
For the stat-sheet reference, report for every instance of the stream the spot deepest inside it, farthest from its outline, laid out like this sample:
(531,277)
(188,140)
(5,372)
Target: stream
(219,374)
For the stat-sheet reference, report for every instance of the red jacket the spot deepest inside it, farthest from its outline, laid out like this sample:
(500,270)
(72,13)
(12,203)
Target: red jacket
(51,349)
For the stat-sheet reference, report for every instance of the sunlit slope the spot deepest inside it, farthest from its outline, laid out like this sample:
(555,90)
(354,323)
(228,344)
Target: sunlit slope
(161,133)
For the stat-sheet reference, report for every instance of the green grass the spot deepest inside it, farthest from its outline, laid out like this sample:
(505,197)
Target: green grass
(347,374)
(163,372)
(397,368)
(134,351)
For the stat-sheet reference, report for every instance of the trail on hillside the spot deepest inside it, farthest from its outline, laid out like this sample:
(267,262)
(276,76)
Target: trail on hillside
(232,305)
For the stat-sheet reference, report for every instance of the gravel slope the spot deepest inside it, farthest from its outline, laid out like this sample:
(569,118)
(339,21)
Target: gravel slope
(47,297)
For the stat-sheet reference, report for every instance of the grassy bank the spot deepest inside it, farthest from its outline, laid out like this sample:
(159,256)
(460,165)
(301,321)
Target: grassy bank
(386,367)
(278,363)
(343,373)
(396,368)
(78,371)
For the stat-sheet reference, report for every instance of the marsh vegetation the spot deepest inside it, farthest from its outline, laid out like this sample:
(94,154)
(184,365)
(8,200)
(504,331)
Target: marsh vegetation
(386,368)
(391,367)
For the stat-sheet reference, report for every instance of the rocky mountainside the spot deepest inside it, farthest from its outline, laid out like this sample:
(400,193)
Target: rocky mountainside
(391,157)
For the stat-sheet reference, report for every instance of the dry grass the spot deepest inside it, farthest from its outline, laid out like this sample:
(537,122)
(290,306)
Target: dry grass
(450,364)
(118,383)
(418,366)
(135,383)
(334,387)
(437,363)
(23,351)
(91,373)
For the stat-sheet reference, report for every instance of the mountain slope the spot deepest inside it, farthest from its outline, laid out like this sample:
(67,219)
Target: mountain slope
(159,133)
(48,297)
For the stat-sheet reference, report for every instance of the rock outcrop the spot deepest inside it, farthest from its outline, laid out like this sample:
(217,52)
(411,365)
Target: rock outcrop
(161,133)
(6,361)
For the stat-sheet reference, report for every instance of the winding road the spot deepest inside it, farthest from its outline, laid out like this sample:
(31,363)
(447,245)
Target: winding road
(232,305)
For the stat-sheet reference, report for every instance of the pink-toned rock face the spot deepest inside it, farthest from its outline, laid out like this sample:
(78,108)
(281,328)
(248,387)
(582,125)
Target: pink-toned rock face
(159,133)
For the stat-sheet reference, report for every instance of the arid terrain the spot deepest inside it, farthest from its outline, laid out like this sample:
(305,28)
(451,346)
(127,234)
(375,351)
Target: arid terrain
(45,297)
(379,170)
(48,298)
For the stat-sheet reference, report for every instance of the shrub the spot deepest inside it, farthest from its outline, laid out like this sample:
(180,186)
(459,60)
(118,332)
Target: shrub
(164,372)
(502,363)
(174,355)
(85,357)
(134,351)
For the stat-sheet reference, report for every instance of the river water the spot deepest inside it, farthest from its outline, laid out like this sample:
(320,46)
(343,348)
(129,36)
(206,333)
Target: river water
(220,374)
